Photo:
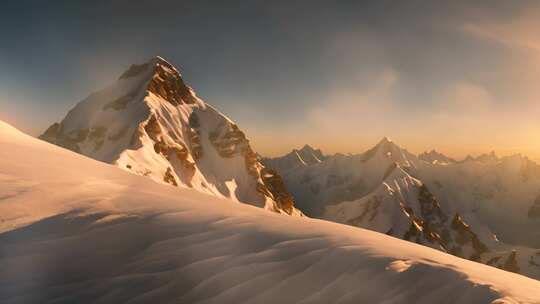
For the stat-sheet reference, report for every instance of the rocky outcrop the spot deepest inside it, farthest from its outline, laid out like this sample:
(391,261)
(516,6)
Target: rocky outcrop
(433,227)
(464,235)
(229,141)
(273,184)
(169,178)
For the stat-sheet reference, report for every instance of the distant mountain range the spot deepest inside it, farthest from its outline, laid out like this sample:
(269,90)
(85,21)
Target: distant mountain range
(483,208)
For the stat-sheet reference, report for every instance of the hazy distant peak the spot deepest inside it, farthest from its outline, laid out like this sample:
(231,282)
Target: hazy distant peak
(385,139)
(488,157)
(434,156)
(307,147)
(305,156)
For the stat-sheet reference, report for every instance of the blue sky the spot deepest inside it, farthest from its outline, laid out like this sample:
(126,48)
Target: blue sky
(459,76)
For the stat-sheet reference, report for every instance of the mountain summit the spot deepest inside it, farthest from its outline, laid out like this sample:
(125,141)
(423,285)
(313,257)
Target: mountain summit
(386,152)
(151,123)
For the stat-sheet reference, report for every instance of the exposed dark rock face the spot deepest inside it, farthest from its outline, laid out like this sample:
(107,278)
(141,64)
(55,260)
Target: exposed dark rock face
(274,184)
(432,226)
(152,128)
(228,140)
(169,178)
(168,84)
(464,236)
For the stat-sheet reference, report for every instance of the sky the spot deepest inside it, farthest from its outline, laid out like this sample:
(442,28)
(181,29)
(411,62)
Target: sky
(462,77)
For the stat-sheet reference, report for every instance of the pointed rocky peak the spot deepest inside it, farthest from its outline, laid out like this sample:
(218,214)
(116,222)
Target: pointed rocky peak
(387,145)
(307,148)
(305,156)
(468,158)
(386,149)
(137,70)
(310,155)
(163,80)
(168,84)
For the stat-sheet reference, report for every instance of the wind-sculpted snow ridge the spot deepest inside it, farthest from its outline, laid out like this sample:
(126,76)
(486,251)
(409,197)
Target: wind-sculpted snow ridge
(151,123)
(74,230)
(485,209)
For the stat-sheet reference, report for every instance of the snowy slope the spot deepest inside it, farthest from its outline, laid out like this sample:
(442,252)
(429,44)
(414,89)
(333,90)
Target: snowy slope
(74,230)
(458,207)
(151,123)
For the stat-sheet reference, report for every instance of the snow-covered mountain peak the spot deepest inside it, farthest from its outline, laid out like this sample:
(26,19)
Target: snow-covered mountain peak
(306,148)
(386,145)
(151,123)
(306,156)
(387,152)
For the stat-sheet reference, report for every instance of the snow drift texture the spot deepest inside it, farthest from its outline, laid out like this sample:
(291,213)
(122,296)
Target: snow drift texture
(74,230)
